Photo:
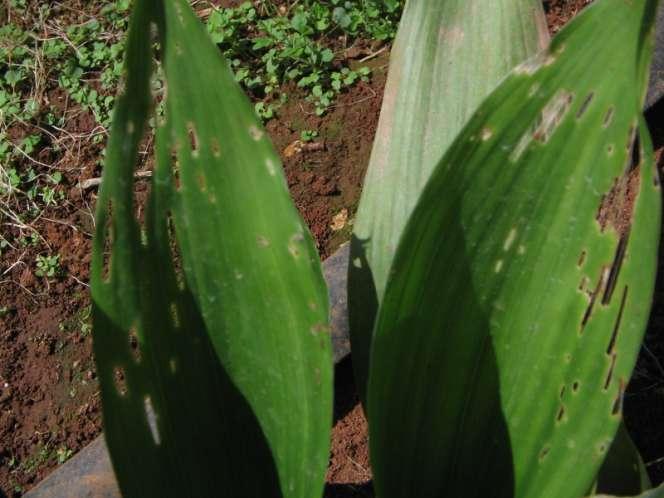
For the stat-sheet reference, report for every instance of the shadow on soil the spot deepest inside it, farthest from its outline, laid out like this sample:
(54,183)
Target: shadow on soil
(345,393)
(362,308)
(349,491)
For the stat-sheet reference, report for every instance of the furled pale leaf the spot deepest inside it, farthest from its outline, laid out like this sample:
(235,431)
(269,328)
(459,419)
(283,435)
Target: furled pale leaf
(521,288)
(227,390)
(448,56)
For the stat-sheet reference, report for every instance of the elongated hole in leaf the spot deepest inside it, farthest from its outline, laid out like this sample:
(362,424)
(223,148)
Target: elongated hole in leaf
(561,413)
(582,259)
(616,326)
(120,380)
(632,140)
(575,386)
(134,345)
(618,259)
(609,375)
(635,159)
(562,392)
(545,451)
(584,106)
(618,402)
(593,297)
(617,209)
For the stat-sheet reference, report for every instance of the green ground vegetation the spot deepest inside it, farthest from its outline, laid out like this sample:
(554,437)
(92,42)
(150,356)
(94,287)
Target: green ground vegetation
(59,60)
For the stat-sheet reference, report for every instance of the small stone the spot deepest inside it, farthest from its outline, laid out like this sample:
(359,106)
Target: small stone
(339,220)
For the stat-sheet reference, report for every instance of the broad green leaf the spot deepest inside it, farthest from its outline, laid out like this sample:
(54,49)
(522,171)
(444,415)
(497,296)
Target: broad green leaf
(448,56)
(521,288)
(221,288)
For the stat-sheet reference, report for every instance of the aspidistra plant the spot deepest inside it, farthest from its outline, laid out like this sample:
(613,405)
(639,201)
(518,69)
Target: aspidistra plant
(210,315)
(447,57)
(511,318)
(521,288)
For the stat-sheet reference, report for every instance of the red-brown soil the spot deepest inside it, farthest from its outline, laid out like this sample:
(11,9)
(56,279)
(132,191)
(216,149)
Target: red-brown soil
(49,398)
(558,12)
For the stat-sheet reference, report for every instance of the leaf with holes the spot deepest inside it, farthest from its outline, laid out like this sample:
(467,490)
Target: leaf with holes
(210,316)
(447,57)
(521,288)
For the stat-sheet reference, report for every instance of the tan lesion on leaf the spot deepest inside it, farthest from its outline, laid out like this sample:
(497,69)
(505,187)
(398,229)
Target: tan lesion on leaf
(608,117)
(451,36)
(546,123)
(543,453)
(193,138)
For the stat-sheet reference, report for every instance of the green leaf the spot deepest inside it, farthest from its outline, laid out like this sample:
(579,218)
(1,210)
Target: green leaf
(299,23)
(447,58)
(229,383)
(13,77)
(521,288)
(623,471)
(341,17)
(326,55)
